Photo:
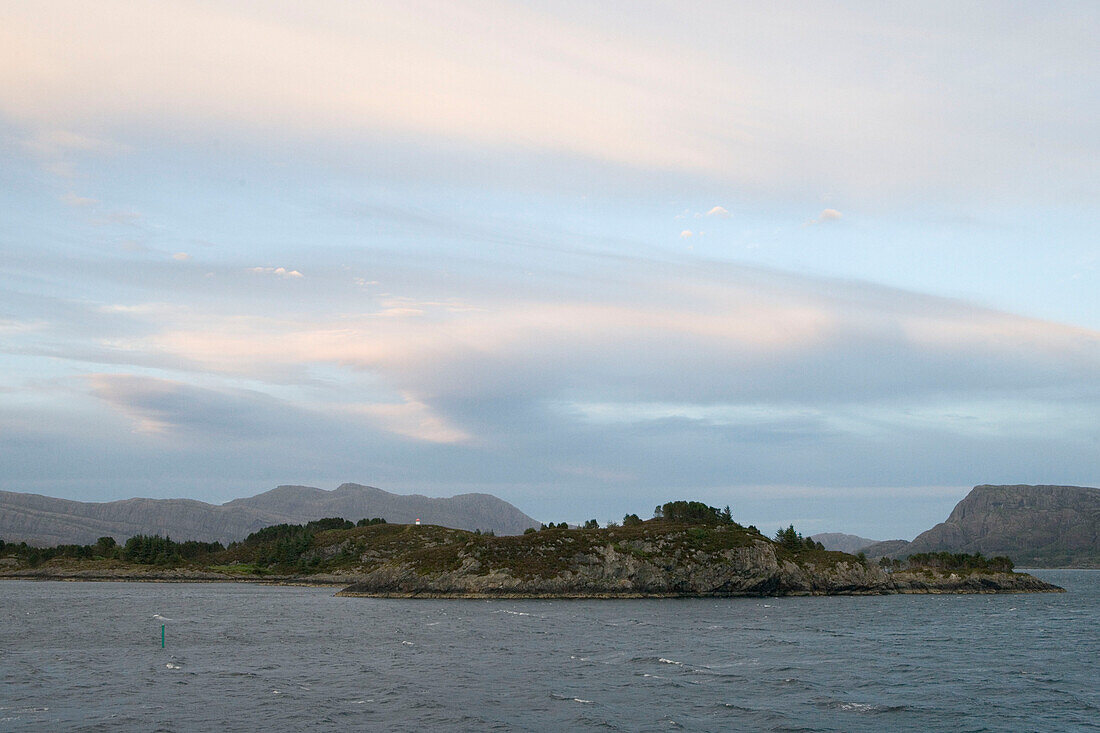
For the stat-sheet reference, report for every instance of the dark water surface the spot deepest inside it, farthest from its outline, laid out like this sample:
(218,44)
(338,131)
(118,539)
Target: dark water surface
(88,656)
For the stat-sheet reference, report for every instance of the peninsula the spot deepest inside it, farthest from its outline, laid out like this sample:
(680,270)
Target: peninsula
(687,550)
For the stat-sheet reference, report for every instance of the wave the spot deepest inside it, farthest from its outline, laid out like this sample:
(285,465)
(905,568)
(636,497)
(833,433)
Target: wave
(863,707)
(554,696)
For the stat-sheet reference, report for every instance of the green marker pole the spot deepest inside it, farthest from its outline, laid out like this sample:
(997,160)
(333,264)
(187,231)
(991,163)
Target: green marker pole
(162,636)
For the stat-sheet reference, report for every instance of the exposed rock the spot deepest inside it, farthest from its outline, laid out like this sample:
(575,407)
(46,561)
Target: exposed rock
(664,562)
(1036,526)
(940,582)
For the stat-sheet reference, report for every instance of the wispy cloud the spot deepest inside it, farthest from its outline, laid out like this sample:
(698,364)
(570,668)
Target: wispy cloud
(59,149)
(411,418)
(276,271)
(787,338)
(772,116)
(827,215)
(73,199)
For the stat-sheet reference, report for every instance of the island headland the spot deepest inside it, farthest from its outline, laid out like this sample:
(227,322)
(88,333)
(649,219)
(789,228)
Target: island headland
(687,550)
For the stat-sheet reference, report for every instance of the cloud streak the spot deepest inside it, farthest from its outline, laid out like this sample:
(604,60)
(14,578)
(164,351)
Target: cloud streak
(743,335)
(773,117)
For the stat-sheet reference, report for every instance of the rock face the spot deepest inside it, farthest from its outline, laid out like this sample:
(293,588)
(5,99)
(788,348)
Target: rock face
(654,562)
(736,572)
(917,581)
(1036,526)
(841,542)
(46,521)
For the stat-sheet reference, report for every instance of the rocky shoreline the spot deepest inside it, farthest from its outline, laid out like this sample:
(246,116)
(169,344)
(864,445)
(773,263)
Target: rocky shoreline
(622,580)
(175,575)
(906,583)
(656,560)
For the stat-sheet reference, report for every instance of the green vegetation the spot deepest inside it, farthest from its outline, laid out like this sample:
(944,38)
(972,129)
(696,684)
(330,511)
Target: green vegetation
(682,532)
(793,541)
(692,512)
(156,550)
(949,562)
(370,522)
(139,549)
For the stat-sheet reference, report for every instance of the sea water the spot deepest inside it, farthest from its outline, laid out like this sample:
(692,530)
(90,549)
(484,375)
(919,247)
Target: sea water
(88,657)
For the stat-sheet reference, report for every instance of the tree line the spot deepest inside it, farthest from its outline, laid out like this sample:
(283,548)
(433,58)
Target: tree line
(949,561)
(277,544)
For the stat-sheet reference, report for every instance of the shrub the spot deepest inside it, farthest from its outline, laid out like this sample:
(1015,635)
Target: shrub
(370,522)
(693,512)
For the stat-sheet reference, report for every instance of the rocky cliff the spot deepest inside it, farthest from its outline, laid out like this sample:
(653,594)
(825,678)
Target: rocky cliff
(1036,526)
(655,560)
(47,521)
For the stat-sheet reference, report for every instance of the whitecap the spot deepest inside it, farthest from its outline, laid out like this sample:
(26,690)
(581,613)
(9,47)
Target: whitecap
(860,707)
(408,643)
(158,617)
(173,666)
(662,660)
(586,702)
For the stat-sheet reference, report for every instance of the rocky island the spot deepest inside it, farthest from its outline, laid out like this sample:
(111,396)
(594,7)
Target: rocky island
(688,550)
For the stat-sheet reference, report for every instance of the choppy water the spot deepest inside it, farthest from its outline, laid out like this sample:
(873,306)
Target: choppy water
(88,656)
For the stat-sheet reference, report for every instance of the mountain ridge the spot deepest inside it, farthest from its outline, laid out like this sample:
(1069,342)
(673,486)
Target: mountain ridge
(44,520)
(841,542)
(1035,525)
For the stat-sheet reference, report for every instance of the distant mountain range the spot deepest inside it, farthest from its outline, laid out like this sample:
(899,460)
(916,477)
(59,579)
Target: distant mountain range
(46,521)
(841,542)
(1036,526)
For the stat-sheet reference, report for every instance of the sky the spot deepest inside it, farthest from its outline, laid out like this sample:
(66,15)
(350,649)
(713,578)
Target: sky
(830,264)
